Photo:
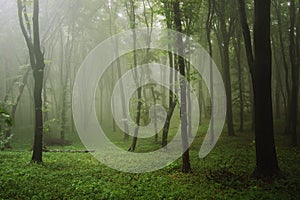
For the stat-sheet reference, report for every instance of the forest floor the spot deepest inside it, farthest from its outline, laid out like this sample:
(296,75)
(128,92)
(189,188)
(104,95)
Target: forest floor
(223,174)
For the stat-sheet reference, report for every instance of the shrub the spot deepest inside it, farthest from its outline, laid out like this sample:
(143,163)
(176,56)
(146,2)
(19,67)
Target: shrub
(5,126)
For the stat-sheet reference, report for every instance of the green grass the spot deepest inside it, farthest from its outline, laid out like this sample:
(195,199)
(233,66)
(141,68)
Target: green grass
(224,174)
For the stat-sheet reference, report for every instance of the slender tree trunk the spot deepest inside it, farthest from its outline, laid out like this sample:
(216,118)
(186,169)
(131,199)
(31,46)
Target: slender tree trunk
(237,47)
(167,124)
(155,115)
(224,44)
(294,57)
(172,98)
(249,50)
(132,16)
(282,47)
(211,9)
(278,82)
(126,127)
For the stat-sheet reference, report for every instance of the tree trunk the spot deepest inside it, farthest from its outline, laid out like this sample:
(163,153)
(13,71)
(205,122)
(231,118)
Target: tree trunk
(237,47)
(38,75)
(186,166)
(172,97)
(266,157)
(211,9)
(126,127)
(139,90)
(37,65)
(167,124)
(224,51)
(294,56)
(261,72)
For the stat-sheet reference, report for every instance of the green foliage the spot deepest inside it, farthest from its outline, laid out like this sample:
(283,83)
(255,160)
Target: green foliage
(224,174)
(5,125)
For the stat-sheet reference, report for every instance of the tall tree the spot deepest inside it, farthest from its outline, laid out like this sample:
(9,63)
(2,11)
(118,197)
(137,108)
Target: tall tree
(294,59)
(37,64)
(132,18)
(261,70)
(186,166)
(225,31)
(209,24)
(172,99)
(237,49)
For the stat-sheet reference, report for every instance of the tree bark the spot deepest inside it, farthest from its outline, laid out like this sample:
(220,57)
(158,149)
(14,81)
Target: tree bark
(37,65)
(186,166)
(224,43)
(209,21)
(237,47)
(261,72)
(132,17)
(294,57)
(266,157)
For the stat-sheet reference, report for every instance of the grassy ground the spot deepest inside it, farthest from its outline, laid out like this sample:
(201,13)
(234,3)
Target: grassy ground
(224,174)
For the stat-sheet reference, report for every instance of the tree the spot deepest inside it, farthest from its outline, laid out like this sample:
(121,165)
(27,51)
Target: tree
(132,19)
(237,44)
(32,38)
(225,31)
(186,166)
(294,58)
(172,99)
(261,68)
(208,26)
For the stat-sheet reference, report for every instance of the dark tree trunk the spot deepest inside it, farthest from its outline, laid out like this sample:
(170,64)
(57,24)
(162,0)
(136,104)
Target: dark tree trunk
(138,122)
(186,166)
(155,114)
(227,75)
(38,75)
(249,50)
(282,47)
(172,98)
(261,70)
(38,65)
(140,90)
(266,158)
(167,125)
(294,57)
(224,43)
(211,8)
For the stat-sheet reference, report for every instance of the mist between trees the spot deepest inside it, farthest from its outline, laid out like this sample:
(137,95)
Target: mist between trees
(255,44)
